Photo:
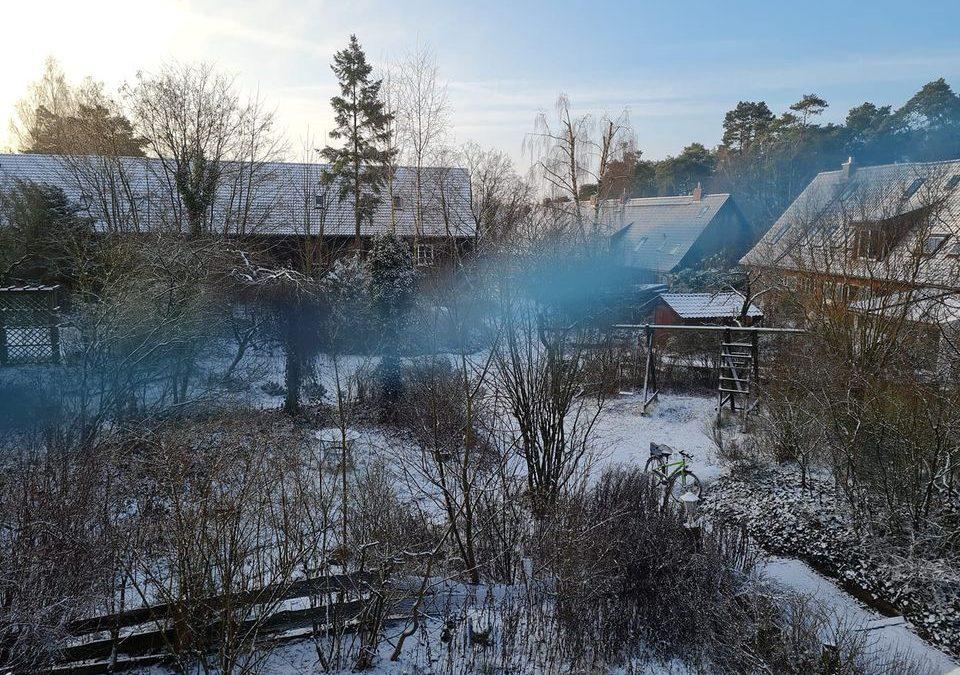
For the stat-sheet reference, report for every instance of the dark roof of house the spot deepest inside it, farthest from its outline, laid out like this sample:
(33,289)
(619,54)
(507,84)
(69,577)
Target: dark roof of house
(657,232)
(726,305)
(815,229)
(273,198)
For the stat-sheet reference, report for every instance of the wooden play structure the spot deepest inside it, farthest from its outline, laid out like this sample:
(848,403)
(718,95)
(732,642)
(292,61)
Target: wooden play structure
(738,365)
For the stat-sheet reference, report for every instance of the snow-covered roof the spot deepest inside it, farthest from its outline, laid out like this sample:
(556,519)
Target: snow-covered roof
(817,231)
(708,305)
(274,198)
(922,306)
(657,232)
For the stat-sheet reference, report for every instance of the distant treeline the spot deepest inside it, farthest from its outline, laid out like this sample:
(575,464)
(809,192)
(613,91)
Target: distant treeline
(765,160)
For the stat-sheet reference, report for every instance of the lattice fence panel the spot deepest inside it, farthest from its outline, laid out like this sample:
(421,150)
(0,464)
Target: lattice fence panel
(28,330)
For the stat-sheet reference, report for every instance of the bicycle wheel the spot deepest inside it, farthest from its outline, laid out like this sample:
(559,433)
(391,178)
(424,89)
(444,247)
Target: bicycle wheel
(684,482)
(656,465)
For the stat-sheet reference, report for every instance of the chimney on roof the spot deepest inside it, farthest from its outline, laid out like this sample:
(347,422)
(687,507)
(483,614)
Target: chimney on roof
(848,167)
(698,192)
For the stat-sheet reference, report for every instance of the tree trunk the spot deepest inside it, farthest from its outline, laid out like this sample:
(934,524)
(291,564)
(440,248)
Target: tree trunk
(293,374)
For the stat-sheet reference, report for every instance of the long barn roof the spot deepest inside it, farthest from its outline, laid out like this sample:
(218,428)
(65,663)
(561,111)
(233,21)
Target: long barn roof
(271,198)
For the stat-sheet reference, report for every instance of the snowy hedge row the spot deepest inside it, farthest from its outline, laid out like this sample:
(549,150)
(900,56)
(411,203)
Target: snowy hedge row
(785,519)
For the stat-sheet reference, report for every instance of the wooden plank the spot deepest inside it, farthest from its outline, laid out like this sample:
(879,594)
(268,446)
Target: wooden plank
(736,329)
(653,397)
(646,372)
(297,589)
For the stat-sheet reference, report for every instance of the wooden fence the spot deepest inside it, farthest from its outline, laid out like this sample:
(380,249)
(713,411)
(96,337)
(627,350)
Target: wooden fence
(141,637)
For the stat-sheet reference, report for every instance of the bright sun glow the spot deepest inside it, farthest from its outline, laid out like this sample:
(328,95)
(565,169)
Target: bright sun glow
(109,38)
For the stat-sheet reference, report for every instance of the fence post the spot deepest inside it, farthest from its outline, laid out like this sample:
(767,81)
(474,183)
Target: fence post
(54,329)
(3,334)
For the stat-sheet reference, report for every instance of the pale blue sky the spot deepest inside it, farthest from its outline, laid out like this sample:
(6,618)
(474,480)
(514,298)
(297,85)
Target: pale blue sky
(678,66)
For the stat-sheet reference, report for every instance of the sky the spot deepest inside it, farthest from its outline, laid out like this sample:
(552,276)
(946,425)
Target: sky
(676,66)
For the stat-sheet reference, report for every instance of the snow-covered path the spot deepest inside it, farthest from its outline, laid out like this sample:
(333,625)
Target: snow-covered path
(683,422)
(898,637)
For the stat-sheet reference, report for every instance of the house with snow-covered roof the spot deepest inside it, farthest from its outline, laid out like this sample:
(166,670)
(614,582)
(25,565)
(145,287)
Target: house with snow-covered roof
(658,236)
(882,241)
(869,231)
(693,309)
(280,203)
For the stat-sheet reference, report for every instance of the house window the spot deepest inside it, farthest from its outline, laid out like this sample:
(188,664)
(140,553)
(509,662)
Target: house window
(424,255)
(953,182)
(912,189)
(869,242)
(318,201)
(933,243)
(397,203)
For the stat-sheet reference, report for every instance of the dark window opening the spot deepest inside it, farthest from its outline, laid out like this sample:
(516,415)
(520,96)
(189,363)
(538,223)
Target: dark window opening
(933,243)
(912,189)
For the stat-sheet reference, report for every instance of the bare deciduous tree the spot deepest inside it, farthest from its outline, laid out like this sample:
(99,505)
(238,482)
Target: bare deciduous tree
(423,118)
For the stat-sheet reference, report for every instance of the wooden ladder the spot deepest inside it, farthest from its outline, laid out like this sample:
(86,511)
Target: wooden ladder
(737,373)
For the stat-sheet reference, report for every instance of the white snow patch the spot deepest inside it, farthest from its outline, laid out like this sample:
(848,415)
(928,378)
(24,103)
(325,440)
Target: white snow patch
(624,434)
(896,637)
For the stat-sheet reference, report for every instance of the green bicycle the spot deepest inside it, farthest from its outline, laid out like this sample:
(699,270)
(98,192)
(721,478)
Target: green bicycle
(675,477)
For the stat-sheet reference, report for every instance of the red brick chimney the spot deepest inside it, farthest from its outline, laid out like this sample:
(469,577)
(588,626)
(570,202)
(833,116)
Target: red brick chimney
(698,192)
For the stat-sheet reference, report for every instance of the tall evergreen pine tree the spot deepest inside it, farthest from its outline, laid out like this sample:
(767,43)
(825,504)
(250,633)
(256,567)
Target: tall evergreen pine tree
(359,167)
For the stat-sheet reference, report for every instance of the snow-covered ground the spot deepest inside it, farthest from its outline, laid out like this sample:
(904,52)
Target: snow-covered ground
(624,434)
(882,633)
(683,422)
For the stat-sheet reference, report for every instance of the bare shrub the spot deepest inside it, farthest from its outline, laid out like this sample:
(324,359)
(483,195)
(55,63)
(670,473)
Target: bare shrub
(53,546)
(626,567)
(220,538)
(541,383)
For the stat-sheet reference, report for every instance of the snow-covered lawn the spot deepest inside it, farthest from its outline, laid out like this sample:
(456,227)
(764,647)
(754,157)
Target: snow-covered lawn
(624,434)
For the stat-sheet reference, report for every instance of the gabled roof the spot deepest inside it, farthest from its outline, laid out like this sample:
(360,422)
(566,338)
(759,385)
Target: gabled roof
(267,198)
(657,232)
(726,305)
(815,230)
